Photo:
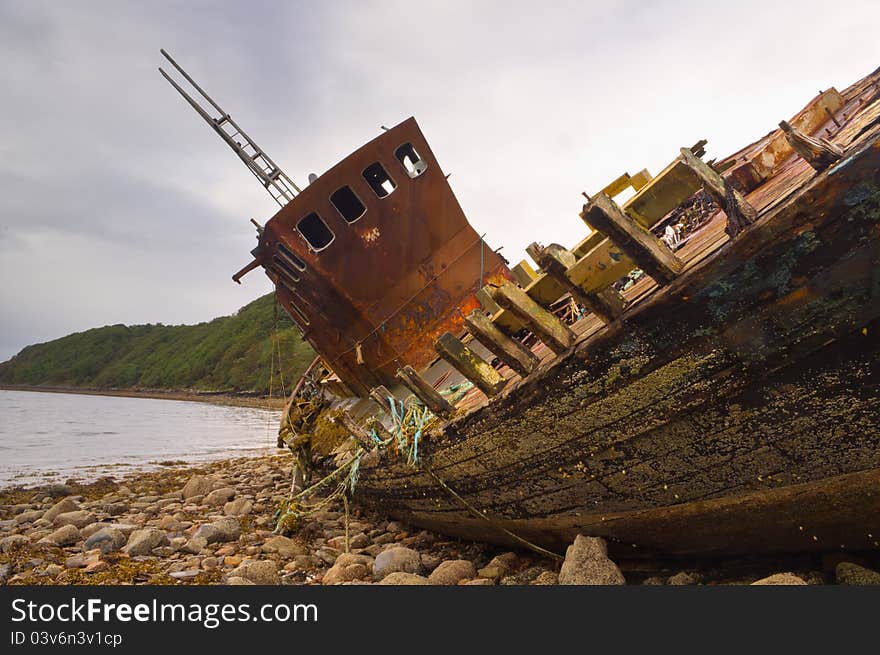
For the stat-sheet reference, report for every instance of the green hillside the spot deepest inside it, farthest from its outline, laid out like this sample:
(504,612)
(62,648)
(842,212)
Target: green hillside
(231,353)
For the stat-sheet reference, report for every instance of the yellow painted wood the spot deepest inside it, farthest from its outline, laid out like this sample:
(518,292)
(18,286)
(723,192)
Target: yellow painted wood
(524,273)
(640,179)
(663,193)
(617,186)
(588,243)
(601,267)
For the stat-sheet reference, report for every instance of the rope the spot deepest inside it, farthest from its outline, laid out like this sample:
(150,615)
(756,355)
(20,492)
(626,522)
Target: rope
(482,515)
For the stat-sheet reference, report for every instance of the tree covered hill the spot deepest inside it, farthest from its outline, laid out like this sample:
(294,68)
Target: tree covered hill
(230,353)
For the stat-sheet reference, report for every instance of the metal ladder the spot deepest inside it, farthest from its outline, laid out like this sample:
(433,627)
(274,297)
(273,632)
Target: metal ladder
(280,187)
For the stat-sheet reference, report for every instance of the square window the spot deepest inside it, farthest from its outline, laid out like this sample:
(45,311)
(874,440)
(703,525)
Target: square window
(410,160)
(315,231)
(348,204)
(379,180)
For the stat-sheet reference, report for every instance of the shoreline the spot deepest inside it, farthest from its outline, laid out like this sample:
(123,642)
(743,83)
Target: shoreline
(233,400)
(214,523)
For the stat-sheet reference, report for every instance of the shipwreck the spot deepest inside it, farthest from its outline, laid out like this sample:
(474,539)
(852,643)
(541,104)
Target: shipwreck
(696,376)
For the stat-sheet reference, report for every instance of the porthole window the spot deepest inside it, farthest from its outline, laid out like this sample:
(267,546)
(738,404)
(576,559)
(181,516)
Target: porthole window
(348,204)
(315,231)
(410,160)
(379,180)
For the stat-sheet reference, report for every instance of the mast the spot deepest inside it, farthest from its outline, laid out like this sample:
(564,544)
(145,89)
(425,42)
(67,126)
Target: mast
(274,180)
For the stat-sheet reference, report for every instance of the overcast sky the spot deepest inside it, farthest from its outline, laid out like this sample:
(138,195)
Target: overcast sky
(118,205)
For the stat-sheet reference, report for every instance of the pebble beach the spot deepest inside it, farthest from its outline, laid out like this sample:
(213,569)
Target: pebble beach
(213,524)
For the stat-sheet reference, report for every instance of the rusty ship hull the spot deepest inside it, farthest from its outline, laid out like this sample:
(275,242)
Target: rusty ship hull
(735,410)
(713,390)
(732,410)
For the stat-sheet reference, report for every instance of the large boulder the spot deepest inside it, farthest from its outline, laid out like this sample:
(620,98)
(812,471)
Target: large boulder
(683,578)
(197,485)
(586,563)
(451,572)
(348,567)
(262,572)
(80,518)
(780,579)
(63,505)
(852,574)
(403,578)
(222,530)
(499,566)
(397,559)
(66,535)
(235,580)
(142,542)
(29,516)
(238,507)
(107,539)
(219,497)
(12,542)
(285,547)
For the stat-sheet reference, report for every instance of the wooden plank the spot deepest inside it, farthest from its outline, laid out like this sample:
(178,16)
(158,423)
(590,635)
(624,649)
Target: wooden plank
(588,243)
(602,266)
(469,364)
(424,391)
(820,154)
(607,305)
(486,302)
(648,252)
(640,179)
(510,351)
(663,193)
(523,273)
(617,186)
(542,323)
(740,213)
(382,396)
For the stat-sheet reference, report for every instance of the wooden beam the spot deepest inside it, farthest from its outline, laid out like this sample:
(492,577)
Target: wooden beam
(424,391)
(523,273)
(381,395)
(486,302)
(510,351)
(600,267)
(542,323)
(819,154)
(607,304)
(649,253)
(617,186)
(534,250)
(740,213)
(469,364)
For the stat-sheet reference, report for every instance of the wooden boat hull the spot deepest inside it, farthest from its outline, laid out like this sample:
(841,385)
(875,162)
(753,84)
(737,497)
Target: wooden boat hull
(735,410)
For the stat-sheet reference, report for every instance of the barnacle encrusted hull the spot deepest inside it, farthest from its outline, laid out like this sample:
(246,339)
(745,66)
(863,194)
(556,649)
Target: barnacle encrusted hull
(735,410)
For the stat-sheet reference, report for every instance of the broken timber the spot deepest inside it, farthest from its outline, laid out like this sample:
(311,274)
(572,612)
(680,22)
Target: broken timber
(424,391)
(740,214)
(469,364)
(648,252)
(508,350)
(819,154)
(383,397)
(555,261)
(542,323)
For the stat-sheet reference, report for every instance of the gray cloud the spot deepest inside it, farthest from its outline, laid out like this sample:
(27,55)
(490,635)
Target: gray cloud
(118,205)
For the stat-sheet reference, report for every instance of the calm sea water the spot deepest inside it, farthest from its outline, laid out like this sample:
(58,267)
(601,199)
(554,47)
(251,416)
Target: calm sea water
(54,436)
